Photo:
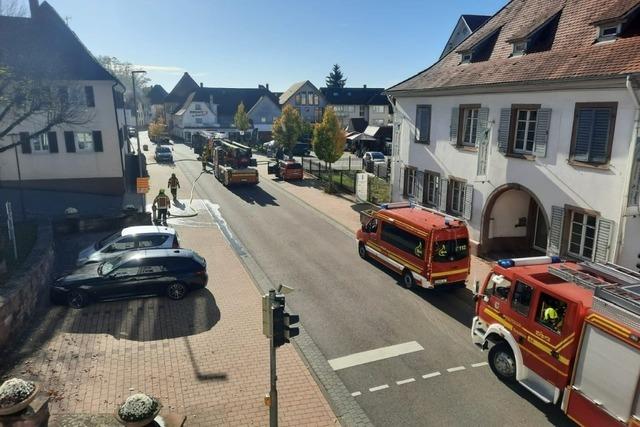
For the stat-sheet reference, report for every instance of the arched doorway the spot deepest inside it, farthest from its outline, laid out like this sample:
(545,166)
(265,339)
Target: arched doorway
(514,223)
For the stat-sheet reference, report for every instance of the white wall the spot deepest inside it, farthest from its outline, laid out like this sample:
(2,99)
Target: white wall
(551,179)
(375,119)
(510,206)
(63,165)
(209,117)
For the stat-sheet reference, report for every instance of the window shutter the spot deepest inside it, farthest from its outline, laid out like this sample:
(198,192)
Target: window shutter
(53,142)
(69,142)
(25,143)
(455,118)
(555,234)
(443,194)
(583,134)
(503,130)
(483,154)
(600,136)
(97,141)
(404,181)
(542,131)
(89,96)
(603,240)
(468,202)
(419,191)
(483,124)
(423,123)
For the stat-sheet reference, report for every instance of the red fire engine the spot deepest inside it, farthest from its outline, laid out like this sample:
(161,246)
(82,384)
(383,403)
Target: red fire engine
(560,327)
(428,248)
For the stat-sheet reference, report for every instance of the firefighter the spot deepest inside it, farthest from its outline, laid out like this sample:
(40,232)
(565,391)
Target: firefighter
(552,318)
(206,153)
(162,203)
(174,184)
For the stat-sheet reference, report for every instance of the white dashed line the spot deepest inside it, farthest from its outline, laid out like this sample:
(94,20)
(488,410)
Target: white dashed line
(457,368)
(374,355)
(356,394)
(407,381)
(477,365)
(431,375)
(380,387)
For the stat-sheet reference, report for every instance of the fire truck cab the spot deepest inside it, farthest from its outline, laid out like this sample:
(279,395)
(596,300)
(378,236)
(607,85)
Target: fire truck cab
(561,327)
(426,247)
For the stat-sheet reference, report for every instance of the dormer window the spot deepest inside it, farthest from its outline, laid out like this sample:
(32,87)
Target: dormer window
(465,58)
(609,32)
(519,48)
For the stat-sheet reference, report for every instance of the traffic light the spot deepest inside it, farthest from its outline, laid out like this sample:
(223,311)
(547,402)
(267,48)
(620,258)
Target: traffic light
(283,323)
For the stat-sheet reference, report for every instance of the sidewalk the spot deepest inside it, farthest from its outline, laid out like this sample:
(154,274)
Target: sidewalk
(345,210)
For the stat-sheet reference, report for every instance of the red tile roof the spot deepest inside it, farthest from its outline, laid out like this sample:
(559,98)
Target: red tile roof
(572,54)
(616,10)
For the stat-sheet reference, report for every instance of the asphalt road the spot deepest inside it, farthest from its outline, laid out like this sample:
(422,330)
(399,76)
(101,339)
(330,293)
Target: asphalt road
(348,305)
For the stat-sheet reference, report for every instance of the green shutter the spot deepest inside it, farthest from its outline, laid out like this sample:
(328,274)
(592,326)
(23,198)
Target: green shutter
(555,234)
(541,138)
(468,202)
(503,130)
(455,118)
(53,142)
(25,143)
(97,141)
(603,240)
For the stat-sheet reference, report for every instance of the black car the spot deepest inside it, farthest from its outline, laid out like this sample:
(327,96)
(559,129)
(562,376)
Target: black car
(170,272)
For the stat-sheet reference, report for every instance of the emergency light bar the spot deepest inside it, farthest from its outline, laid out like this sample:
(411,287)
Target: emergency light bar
(534,260)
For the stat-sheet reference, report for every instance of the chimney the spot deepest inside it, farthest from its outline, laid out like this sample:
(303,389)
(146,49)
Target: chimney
(267,86)
(364,86)
(33,7)
(201,84)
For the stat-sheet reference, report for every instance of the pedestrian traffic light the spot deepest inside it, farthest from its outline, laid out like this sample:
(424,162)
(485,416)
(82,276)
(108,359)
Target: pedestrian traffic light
(283,329)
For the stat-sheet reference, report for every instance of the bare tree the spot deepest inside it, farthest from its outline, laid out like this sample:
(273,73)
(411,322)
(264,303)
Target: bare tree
(12,8)
(39,103)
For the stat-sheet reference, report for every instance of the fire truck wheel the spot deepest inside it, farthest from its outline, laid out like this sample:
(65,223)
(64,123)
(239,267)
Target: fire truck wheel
(407,279)
(502,362)
(362,251)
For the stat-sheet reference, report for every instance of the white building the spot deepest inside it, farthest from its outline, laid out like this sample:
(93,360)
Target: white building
(79,158)
(530,131)
(369,104)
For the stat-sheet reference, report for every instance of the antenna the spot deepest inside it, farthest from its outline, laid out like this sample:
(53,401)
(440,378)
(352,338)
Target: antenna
(67,19)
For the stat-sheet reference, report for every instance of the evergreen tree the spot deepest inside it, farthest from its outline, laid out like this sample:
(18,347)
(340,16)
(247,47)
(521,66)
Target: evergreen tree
(336,79)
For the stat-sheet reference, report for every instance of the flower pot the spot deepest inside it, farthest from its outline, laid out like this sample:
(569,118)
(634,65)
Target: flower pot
(140,423)
(20,405)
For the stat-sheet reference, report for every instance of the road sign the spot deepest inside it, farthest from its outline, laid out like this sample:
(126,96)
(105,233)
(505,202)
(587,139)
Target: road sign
(142,184)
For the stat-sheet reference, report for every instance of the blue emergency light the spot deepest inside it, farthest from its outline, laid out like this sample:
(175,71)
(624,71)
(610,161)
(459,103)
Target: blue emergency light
(535,260)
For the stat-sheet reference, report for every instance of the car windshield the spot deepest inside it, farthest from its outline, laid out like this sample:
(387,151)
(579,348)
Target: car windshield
(163,150)
(105,241)
(377,156)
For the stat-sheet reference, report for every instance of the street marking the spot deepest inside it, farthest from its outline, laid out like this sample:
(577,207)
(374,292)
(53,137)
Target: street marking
(477,365)
(431,375)
(457,368)
(407,381)
(356,394)
(380,387)
(374,355)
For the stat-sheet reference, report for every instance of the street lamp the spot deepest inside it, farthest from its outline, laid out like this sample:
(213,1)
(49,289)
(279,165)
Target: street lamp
(135,106)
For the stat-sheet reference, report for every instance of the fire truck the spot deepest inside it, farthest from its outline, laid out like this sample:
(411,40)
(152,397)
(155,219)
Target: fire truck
(427,247)
(565,329)
(233,164)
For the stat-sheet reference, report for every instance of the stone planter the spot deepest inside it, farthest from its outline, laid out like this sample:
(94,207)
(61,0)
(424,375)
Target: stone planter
(21,405)
(140,423)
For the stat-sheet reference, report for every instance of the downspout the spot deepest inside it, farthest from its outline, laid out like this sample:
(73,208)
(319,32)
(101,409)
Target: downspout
(120,136)
(395,160)
(635,134)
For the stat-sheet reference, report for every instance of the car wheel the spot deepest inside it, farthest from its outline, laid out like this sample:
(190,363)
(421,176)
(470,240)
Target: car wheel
(407,279)
(362,251)
(176,291)
(502,362)
(77,299)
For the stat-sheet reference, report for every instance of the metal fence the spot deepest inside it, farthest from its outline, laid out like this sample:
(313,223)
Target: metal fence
(381,170)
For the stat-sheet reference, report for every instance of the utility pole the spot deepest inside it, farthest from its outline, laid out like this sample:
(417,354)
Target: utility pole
(273,392)
(135,107)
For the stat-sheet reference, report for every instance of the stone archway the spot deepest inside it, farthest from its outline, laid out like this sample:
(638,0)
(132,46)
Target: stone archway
(514,223)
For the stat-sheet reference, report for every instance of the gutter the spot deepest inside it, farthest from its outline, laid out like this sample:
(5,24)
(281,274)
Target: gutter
(635,134)
(115,110)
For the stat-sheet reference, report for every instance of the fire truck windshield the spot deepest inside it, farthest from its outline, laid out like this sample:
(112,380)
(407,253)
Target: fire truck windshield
(450,250)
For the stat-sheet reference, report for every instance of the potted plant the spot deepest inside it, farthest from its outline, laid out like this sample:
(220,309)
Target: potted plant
(16,395)
(138,410)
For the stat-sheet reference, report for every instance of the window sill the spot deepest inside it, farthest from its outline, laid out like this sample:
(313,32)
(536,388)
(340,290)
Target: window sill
(422,142)
(467,148)
(578,164)
(529,157)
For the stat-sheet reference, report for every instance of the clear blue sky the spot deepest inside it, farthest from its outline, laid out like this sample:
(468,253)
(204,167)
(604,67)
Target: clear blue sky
(241,43)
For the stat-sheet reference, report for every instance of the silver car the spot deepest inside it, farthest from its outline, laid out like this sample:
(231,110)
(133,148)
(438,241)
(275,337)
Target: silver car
(130,238)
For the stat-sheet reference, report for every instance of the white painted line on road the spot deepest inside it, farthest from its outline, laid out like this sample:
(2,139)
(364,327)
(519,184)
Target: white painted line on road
(356,394)
(407,381)
(477,365)
(431,375)
(457,368)
(380,387)
(374,355)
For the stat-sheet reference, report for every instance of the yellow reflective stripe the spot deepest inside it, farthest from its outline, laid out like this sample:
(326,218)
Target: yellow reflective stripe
(500,320)
(408,264)
(451,272)
(562,346)
(610,323)
(547,349)
(541,360)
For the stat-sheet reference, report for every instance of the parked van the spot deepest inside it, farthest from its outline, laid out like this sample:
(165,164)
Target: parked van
(286,170)
(428,248)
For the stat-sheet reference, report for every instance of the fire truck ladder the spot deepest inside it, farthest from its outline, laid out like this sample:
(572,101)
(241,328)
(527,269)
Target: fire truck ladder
(579,278)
